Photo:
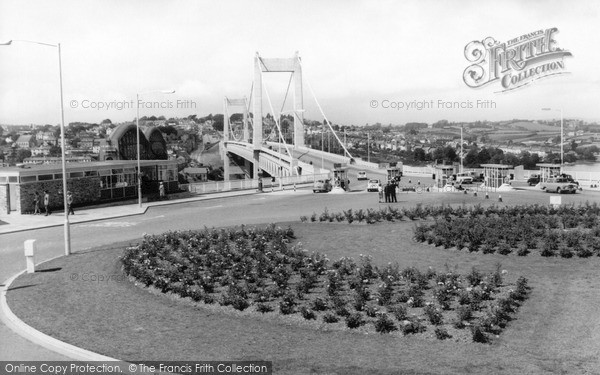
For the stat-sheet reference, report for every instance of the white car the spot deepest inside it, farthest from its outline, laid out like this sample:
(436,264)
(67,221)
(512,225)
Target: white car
(362,175)
(373,185)
(464,178)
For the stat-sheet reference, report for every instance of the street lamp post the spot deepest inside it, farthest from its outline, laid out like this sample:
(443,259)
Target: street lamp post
(561,135)
(67,234)
(137,128)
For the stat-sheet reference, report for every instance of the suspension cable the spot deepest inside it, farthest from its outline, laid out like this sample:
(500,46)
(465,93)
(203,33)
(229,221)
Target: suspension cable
(323,113)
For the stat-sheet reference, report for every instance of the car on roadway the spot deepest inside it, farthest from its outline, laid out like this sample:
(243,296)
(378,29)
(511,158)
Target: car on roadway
(559,185)
(373,185)
(322,186)
(534,179)
(362,175)
(464,178)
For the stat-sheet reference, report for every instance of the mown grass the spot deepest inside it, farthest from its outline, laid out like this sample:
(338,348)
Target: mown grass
(555,331)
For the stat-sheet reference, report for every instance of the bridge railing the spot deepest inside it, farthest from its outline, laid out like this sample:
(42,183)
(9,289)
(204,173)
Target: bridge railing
(220,186)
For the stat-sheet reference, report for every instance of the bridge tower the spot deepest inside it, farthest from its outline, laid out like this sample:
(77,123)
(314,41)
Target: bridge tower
(227,134)
(270,65)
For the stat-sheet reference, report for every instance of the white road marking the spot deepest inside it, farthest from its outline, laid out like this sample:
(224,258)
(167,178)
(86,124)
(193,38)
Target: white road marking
(115,224)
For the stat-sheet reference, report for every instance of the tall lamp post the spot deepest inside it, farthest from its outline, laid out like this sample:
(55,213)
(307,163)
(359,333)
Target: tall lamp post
(67,234)
(137,127)
(561,135)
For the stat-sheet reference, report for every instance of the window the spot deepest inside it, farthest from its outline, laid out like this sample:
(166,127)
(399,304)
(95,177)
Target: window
(90,173)
(45,177)
(13,178)
(76,174)
(29,179)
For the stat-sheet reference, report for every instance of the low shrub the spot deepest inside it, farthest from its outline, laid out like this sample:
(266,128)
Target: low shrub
(384,324)
(262,307)
(399,312)
(441,333)
(371,311)
(412,326)
(319,304)
(354,320)
(330,318)
(522,250)
(478,335)
(307,313)
(433,314)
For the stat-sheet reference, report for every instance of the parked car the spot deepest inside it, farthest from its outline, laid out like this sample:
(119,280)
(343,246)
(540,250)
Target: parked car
(464,178)
(559,185)
(373,185)
(362,175)
(534,179)
(322,186)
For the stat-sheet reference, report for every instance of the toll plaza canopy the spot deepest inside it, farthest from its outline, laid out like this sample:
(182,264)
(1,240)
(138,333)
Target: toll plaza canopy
(443,174)
(548,170)
(495,175)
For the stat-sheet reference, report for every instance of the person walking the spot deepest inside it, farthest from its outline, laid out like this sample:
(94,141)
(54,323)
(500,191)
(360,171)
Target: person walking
(394,191)
(70,203)
(36,203)
(161,190)
(380,191)
(47,202)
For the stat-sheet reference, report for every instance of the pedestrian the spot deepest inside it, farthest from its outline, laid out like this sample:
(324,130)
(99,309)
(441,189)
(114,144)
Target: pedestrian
(36,203)
(386,191)
(70,204)
(380,191)
(394,192)
(161,190)
(47,202)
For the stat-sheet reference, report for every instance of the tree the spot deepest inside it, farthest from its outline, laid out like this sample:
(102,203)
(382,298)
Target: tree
(22,154)
(471,159)
(218,122)
(106,121)
(483,157)
(55,151)
(419,154)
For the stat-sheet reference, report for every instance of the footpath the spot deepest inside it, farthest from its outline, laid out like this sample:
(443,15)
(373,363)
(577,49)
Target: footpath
(16,222)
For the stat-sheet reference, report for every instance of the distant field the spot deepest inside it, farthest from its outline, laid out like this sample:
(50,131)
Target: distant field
(532,126)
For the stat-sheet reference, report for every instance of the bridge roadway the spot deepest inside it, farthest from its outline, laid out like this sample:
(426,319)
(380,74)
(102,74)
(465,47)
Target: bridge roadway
(310,160)
(253,209)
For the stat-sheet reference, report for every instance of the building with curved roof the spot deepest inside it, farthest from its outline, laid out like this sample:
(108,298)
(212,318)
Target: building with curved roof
(152,143)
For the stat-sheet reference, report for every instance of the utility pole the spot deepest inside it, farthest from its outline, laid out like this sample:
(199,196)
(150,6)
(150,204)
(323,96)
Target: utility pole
(368,146)
(461,149)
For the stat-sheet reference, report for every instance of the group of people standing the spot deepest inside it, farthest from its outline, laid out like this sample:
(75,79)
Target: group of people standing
(388,192)
(46,201)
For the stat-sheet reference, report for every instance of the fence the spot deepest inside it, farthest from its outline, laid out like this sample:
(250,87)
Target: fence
(220,186)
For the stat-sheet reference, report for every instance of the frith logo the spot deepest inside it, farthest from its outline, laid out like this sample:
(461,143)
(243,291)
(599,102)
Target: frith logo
(515,63)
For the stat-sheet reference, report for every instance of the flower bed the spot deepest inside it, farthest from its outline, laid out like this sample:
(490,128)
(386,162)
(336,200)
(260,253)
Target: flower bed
(566,231)
(256,270)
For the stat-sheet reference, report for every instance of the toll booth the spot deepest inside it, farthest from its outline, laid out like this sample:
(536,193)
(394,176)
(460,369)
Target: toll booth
(340,177)
(548,171)
(495,175)
(443,175)
(394,172)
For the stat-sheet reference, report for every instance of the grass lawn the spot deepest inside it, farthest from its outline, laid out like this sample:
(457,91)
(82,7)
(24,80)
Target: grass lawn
(556,331)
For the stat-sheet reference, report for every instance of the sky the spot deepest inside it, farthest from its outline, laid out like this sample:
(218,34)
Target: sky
(361,58)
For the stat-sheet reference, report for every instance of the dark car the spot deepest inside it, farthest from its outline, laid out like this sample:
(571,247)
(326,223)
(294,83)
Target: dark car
(534,179)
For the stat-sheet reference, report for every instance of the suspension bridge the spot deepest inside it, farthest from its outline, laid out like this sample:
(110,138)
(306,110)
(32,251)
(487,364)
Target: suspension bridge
(258,146)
